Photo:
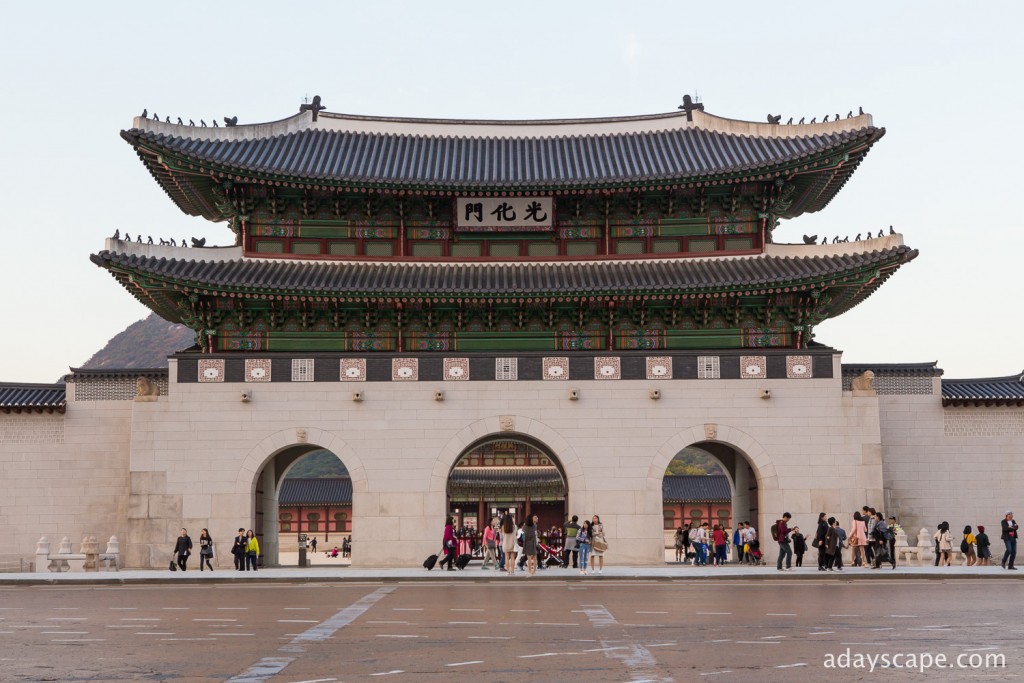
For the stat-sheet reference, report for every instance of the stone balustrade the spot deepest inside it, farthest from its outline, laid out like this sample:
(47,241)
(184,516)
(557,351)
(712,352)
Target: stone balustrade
(87,559)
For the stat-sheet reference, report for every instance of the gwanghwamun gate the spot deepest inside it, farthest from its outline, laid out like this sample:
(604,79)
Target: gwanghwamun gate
(477,315)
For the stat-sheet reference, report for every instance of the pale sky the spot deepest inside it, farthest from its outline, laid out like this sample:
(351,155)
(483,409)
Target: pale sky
(943,78)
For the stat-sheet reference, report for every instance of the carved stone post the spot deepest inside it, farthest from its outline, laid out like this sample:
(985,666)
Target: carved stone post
(91,550)
(926,552)
(43,555)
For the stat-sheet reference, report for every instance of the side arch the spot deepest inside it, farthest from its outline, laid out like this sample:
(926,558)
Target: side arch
(271,446)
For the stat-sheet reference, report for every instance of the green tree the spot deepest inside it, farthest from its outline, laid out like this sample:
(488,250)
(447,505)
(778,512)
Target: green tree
(693,461)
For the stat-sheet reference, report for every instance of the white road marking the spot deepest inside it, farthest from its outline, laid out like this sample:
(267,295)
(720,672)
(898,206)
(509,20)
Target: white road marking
(883,628)
(982,649)
(790,666)
(387,621)
(555,623)
(844,615)
(67,609)
(862,643)
(929,628)
(232,608)
(306,609)
(67,618)
(154,633)
(780,614)
(543,654)
(232,634)
(723,640)
(460,623)
(490,637)
(64,633)
(402,609)
(466,609)
(527,610)
(663,644)
(605,649)
(903,616)
(187,639)
(715,614)
(318,680)
(77,640)
(652,612)
(771,637)
(123,609)
(394,635)
(475,661)
(757,642)
(297,621)
(820,633)
(138,619)
(388,673)
(715,673)
(217,620)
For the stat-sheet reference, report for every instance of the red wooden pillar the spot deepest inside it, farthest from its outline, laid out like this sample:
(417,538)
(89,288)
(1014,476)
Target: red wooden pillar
(327,523)
(526,508)
(480,514)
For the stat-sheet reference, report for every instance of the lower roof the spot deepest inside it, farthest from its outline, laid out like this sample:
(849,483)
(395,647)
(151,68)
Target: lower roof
(27,398)
(696,488)
(984,391)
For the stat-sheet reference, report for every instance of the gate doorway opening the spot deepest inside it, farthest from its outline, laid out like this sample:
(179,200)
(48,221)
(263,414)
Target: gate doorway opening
(302,492)
(708,482)
(507,473)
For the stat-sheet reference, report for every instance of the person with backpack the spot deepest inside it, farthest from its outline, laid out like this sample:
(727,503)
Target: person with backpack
(894,529)
(945,544)
(967,546)
(571,529)
(721,543)
(694,544)
(678,542)
(780,533)
(880,535)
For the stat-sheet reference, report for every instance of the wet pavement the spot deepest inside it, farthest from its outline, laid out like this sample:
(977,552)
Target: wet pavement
(513,629)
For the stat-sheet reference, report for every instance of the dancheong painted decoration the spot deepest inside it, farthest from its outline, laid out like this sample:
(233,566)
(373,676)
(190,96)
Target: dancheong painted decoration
(364,234)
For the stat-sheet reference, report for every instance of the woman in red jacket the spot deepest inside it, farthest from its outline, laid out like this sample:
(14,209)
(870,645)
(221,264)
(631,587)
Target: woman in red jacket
(449,544)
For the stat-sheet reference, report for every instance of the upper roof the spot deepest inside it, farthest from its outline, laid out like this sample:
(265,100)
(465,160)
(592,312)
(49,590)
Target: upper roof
(984,391)
(340,150)
(695,488)
(26,398)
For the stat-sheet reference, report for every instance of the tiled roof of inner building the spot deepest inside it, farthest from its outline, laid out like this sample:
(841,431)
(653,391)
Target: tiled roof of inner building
(928,369)
(507,279)
(701,488)
(508,477)
(333,156)
(19,398)
(984,391)
(325,491)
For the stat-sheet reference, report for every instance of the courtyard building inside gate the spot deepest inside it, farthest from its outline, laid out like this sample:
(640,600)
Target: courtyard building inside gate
(482,315)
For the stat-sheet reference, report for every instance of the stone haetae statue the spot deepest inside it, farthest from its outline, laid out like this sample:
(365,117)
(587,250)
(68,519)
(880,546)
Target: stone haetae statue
(864,383)
(146,390)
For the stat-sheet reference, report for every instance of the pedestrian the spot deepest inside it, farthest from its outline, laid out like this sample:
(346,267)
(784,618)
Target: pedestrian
(312,544)
(799,546)
(205,549)
(894,530)
(572,528)
(858,540)
(841,545)
(182,549)
(449,544)
(693,535)
(819,540)
(678,541)
(508,542)
(737,542)
(984,547)
(967,547)
(868,513)
(945,543)
(252,551)
(1009,537)
(530,544)
(750,534)
(490,544)
(583,543)
(782,531)
(700,545)
(238,550)
(721,541)
(831,543)
(881,534)
(598,543)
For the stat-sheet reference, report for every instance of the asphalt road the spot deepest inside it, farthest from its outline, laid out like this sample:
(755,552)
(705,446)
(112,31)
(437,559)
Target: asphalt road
(598,629)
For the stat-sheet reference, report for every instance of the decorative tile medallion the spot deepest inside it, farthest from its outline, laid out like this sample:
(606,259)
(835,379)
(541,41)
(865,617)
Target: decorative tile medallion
(405,369)
(211,370)
(798,367)
(753,367)
(659,367)
(353,369)
(556,368)
(607,368)
(456,369)
(257,369)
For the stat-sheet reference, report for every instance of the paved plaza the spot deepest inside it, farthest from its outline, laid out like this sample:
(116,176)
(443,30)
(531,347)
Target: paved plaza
(494,628)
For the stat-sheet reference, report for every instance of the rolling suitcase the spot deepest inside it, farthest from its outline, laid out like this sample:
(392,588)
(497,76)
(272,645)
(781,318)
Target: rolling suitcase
(429,563)
(463,560)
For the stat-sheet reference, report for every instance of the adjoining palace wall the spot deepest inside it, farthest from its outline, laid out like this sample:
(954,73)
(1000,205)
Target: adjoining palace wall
(963,465)
(64,475)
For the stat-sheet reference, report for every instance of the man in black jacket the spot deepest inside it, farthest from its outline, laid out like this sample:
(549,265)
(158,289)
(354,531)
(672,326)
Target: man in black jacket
(819,541)
(1009,537)
(238,550)
(183,548)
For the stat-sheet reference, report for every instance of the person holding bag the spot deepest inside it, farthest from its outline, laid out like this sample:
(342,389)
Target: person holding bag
(205,550)
(182,549)
(598,543)
(583,544)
